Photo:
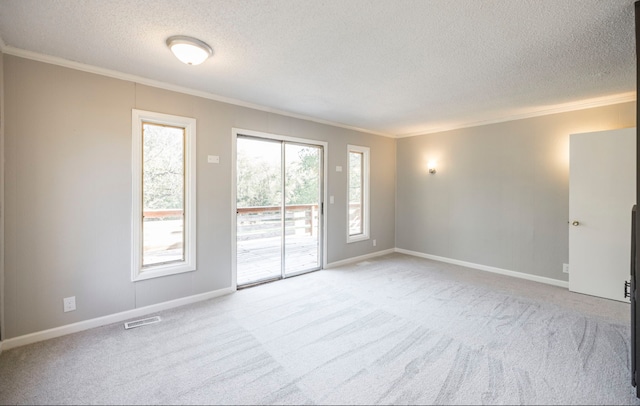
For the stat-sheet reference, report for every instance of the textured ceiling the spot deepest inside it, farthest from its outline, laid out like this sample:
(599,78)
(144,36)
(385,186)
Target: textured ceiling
(388,66)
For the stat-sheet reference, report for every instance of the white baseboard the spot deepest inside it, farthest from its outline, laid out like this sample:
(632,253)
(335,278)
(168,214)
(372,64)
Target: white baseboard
(360,258)
(515,274)
(110,319)
(130,314)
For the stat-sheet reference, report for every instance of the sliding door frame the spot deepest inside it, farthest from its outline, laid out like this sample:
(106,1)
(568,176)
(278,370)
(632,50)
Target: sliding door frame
(236,132)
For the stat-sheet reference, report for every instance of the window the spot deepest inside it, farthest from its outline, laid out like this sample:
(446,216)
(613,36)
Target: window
(163,195)
(358,194)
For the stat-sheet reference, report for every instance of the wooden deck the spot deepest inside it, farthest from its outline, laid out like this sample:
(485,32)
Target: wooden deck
(259,242)
(260,259)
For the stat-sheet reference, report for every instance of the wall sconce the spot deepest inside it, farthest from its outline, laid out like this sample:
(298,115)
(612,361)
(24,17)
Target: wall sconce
(432,167)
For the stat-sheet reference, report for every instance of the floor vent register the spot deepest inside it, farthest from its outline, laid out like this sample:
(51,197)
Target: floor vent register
(141,322)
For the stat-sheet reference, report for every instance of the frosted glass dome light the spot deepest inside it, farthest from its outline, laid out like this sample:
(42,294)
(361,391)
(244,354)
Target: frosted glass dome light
(189,50)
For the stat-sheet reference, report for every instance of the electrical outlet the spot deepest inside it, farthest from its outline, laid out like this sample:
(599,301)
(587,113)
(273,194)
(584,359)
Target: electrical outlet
(374,243)
(69,304)
(565,268)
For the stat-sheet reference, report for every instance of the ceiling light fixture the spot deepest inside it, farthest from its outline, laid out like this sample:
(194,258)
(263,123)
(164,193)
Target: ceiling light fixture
(189,50)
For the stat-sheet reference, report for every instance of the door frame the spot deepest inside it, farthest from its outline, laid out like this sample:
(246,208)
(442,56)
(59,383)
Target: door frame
(235,132)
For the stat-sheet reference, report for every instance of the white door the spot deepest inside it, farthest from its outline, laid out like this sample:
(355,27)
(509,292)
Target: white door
(602,192)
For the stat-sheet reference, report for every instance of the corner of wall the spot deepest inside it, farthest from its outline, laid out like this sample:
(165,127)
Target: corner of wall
(2,332)
(395,193)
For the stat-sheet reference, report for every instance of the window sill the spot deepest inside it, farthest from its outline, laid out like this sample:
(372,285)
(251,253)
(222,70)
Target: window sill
(162,270)
(356,238)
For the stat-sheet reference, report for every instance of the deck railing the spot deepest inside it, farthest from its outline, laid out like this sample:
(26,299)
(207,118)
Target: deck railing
(162,213)
(265,221)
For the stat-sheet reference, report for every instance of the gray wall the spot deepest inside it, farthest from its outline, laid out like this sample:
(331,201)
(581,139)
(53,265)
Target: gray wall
(500,196)
(68,192)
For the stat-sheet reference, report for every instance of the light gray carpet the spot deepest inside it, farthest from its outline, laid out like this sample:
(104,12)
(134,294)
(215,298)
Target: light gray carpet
(390,330)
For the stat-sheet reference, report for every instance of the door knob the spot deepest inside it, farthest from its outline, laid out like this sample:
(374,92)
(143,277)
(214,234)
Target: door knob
(575,223)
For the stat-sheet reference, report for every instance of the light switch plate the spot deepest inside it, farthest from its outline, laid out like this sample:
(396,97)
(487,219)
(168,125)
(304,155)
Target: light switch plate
(213,159)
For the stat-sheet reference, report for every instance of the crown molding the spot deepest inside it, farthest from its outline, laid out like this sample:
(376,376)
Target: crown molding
(9,50)
(534,112)
(522,114)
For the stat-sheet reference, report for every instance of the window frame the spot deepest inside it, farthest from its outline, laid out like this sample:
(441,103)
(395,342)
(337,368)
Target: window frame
(365,193)
(138,272)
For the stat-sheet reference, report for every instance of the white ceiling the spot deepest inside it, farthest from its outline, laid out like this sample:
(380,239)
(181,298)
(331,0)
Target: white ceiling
(395,67)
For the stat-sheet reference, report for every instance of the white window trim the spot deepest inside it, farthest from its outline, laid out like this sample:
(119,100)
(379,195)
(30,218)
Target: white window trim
(365,193)
(139,273)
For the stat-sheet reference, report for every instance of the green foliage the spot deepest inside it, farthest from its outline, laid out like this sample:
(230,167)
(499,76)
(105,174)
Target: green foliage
(303,177)
(355,177)
(259,181)
(163,167)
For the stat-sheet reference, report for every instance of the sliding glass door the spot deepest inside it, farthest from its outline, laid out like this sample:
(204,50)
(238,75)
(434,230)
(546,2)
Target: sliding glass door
(302,197)
(259,210)
(278,209)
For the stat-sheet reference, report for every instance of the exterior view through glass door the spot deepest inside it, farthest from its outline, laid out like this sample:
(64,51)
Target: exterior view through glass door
(278,209)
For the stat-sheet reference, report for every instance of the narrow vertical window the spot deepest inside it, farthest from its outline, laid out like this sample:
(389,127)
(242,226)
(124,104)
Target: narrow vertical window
(358,194)
(355,192)
(163,195)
